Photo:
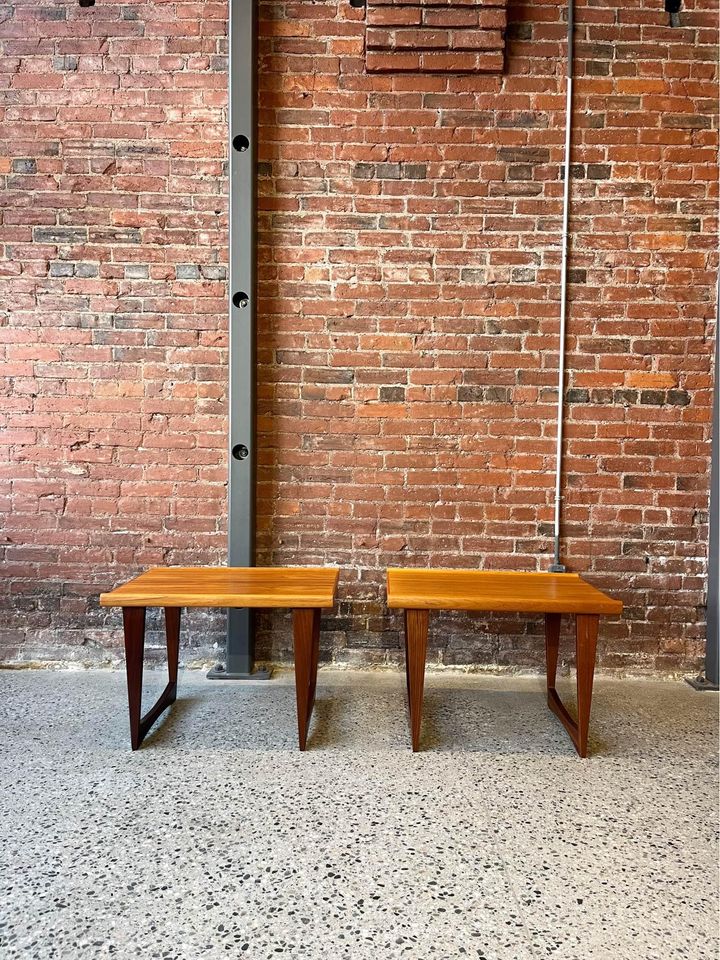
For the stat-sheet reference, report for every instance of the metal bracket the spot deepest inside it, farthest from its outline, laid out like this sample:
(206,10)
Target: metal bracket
(219,672)
(701,683)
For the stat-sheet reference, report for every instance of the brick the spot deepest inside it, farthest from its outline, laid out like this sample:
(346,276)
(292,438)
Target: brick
(66,63)
(393,16)
(414,171)
(650,380)
(24,166)
(381,62)
(686,121)
(575,395)
(137,271)
(364,171)
(470,394)
(62,268)
(680,398)
(392,394)
(526,155)
(187,271)
(64,235)
(598,171)
(655,397)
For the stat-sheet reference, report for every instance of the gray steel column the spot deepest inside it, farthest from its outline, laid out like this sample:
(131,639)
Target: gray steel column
(242,153)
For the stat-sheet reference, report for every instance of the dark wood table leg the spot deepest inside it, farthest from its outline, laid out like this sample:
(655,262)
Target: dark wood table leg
(134,628)
(306,642)
(416,634)
(172,636)
(407,672)
(552,644)
(586,631)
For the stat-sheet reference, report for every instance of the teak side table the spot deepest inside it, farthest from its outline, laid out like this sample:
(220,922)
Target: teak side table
(417,592)
(304,590)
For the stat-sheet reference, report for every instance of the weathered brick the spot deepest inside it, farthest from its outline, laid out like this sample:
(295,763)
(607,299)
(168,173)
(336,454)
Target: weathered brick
(62,268)
(414,171)
(653,397)
(363,171)
(680,398)
(598,171)
(387,171)
(392,394)
(137,271)
(187,271)
(524,154)
(60,234)
(66,63)
(24,166)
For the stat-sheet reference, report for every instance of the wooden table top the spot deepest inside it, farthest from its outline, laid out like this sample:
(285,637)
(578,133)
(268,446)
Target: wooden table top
(261,587)
(496,591)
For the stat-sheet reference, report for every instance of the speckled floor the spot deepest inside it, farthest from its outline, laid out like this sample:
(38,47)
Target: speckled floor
(218,838)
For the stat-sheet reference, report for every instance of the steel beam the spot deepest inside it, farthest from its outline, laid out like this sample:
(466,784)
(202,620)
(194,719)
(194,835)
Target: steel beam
(242,153)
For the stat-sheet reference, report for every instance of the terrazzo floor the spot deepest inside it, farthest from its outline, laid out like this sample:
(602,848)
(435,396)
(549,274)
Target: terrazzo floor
(219,839)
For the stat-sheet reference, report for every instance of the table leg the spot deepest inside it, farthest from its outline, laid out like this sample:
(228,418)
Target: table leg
(586,631)
(552,644)
(134,629)
(407,672)
(172,636)
(306,642)
(416,634)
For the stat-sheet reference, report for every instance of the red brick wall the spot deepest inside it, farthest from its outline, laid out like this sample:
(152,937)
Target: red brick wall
(409,253)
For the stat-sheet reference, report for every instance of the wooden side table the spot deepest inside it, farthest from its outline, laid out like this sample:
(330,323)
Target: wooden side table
(418,592)
(304,590)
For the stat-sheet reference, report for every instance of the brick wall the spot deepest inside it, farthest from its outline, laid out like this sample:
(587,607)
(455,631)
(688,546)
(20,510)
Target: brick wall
(408,301)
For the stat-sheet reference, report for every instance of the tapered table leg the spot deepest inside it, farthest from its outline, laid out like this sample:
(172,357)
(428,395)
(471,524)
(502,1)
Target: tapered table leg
(586,632)
(134,629)
(306,641)
(407,672)
(416,634)
(172,636)
(552,644)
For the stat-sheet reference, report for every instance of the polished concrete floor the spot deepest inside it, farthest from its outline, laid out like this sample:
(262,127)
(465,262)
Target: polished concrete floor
(219,839)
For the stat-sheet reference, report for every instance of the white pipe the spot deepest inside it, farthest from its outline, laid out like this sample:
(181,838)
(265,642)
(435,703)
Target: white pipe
(557,565)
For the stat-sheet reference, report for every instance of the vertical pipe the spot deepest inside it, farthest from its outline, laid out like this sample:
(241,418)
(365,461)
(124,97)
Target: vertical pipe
(557,566)
(712,649)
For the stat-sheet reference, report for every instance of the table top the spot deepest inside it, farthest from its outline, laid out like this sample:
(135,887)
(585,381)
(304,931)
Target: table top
(496,591)
(261,587)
